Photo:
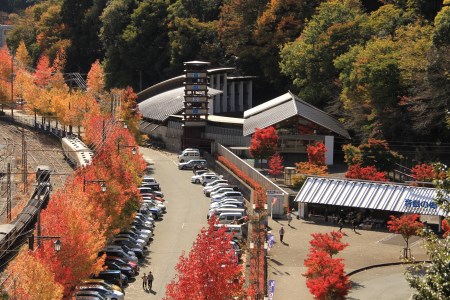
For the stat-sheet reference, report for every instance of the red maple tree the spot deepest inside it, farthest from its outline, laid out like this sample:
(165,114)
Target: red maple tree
(43,74)
(316,153)
(276,165)
(407,226)
(446,228)
(325,275)
(210,270)
(423,172)
(365,173)
(264,143)
(328,242)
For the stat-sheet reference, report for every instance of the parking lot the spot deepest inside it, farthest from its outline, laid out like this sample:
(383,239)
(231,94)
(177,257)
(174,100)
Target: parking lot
(186,215)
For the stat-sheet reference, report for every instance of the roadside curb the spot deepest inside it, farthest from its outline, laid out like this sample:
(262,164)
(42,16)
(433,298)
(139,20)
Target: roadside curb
(385,265)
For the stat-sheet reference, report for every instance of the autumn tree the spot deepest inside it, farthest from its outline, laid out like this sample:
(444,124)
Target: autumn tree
(406,225)
(365,173)
(210,270)
(329,243)
(276,165)
(31,278)
(264,143)
(316,153)
(423,172)
(325,276)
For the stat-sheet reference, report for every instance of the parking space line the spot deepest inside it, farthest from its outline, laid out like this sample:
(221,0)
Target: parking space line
(390,236)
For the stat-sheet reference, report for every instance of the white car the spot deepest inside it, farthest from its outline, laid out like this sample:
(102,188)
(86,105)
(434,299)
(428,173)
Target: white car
(198,178)
(220,191)
(225,202)
(209,187)
(209,178)
(228,194)
(215,188)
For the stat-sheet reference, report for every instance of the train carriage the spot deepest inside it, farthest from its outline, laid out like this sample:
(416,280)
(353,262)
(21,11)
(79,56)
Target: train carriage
(76,152)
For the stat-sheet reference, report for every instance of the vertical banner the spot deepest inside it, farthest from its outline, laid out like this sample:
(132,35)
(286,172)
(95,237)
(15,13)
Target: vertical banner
(275,203)
(271,290)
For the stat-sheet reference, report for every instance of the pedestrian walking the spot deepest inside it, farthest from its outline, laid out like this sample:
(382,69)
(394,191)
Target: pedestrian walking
(289,218)
(341,224)
(354,225)
(281,234)
(150,281)
(144,281)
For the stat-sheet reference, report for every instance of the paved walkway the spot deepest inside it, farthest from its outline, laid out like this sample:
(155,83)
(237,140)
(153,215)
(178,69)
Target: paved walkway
(285,264)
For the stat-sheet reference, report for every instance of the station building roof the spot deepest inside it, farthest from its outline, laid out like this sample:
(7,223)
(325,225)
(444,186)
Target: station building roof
(285,107)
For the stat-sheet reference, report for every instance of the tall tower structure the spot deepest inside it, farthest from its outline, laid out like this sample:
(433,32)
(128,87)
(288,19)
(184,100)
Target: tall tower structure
(195,112)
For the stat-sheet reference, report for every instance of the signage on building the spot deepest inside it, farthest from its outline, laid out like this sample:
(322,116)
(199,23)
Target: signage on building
(420,204)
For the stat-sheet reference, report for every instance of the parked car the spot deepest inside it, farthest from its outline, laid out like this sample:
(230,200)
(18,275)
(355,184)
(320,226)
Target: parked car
(208,187)
(125,269)
(121,262)
(230,217)
(218,211)
(225,202)
(105,292)
(209,178)
(131,254)
(188,155)
(154,185)
(148,179)
(198,178)
(113,276)
(89,295)
(220,191)
(228,194)
(102,283)
(129,241)
(118,253)
(190,164)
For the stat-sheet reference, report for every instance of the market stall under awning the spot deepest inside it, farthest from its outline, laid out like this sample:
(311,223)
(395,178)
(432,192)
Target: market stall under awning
(369,195)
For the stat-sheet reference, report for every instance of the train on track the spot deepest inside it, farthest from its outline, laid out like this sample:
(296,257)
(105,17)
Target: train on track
(76,152)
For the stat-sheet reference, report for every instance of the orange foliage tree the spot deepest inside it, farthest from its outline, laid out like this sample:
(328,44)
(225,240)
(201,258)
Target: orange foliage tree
(423,172)
(210,270)
(276,165)
(72,215)
(264,143)
(30,278)
(365,173)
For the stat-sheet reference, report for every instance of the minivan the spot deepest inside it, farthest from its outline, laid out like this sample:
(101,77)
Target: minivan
(188,155)
(235,230)
(230,217)
(191,164)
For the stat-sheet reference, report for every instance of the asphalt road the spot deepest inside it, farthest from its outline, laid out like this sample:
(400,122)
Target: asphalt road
(186,215)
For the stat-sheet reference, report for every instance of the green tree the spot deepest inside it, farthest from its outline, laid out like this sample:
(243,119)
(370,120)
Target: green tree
(82,26)
(442,26)
(308,61)
(193,31)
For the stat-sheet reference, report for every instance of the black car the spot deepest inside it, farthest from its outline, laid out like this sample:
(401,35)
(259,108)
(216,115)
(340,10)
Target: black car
(124,268)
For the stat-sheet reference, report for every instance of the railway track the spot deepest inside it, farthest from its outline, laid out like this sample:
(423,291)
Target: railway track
(41,150)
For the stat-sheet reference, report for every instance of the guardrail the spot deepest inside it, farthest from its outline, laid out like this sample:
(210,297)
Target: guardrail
(265,182)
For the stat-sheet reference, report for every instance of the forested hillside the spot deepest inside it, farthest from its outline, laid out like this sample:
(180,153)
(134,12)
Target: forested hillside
(381,67)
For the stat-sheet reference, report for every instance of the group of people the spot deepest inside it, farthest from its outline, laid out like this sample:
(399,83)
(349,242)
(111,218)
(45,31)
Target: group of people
(147,281)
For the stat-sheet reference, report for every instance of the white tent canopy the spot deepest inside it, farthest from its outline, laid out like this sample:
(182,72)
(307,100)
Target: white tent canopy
(370,195)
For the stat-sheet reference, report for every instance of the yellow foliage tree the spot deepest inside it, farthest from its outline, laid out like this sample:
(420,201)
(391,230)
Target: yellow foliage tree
(31,279)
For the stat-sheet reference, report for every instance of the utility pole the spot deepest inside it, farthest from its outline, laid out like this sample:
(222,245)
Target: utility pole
(12,86)
(8,192)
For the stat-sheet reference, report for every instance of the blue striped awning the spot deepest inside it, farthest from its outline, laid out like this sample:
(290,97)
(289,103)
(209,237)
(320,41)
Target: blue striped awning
(370,195)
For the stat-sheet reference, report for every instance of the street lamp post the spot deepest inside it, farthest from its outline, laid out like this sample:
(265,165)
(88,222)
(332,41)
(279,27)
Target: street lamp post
(258,245)
(101,182)
(56,244)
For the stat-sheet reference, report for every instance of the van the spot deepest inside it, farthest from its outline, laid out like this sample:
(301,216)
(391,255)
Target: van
(233,229)
(218,211)
(188,155)
(113,277)
(230,217)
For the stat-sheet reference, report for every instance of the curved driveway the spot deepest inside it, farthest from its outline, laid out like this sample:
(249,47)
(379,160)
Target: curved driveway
(186,215)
